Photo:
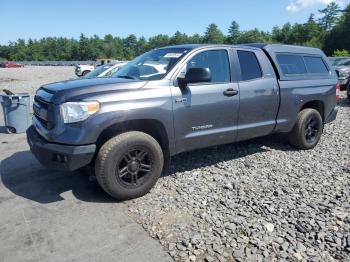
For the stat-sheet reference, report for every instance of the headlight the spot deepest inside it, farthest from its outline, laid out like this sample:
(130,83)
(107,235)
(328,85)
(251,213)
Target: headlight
(73,112)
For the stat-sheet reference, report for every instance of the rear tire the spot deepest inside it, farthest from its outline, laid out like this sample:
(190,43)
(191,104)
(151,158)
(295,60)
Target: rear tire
(128,165)
(307,130)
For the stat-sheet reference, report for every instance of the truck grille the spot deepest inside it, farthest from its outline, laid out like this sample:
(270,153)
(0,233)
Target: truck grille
(41,111)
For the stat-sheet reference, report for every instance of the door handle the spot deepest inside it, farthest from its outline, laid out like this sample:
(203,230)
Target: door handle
(230,92)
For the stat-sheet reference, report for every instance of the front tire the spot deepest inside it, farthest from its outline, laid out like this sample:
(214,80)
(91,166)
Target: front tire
(11,130)
(128,165)
(307,130)
(85,73)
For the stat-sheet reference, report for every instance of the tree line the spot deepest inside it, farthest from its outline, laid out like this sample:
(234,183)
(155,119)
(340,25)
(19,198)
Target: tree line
(330,32)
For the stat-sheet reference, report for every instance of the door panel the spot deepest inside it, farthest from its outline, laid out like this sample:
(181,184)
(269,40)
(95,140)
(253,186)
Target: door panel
(259,95)
(258,108)
(204,116)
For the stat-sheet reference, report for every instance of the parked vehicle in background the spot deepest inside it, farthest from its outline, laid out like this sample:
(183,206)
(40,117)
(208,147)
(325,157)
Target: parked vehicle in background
(128,127)
(82,70)
(97,71)
(149,69)
(337,61)
(104,70)
(348,93)
(343,77)
(343,72)
(114,69)
(9,64)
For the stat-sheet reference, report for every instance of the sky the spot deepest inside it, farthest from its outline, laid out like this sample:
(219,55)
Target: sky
(69,18)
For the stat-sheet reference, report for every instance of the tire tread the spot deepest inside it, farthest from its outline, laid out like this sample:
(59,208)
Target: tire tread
(295,137)
(106,149)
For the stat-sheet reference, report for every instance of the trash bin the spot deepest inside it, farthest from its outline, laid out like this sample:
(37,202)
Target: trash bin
(16,112)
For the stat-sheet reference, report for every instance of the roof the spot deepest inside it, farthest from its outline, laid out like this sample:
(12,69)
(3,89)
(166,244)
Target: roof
(282,48)
(197,46)
(269,47)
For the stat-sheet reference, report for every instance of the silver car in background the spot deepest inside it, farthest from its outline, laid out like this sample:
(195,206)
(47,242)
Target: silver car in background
(343,72)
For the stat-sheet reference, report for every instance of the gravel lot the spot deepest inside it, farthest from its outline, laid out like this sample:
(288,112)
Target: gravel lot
(29,78)
(259,200)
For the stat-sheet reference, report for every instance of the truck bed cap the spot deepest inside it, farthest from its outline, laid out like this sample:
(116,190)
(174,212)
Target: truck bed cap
(281,48)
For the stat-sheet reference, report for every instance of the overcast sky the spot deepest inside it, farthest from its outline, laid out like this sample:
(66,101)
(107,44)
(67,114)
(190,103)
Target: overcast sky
(41,18)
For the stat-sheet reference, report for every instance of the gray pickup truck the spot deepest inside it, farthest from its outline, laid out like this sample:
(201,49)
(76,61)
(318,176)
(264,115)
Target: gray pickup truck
(176,99)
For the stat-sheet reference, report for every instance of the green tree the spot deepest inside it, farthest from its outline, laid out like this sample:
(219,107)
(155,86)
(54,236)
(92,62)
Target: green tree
(213,35)
(178,38)
(253,36)
(282,35)
(331,33)
(330,16)
(195,39)
(342,53)
(339,36)
(233,33)
(142,46)
(130,46)
(158,41)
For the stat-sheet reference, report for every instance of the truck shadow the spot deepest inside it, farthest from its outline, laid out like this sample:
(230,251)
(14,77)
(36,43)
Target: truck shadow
(3,130)
(214,155)
(22,174)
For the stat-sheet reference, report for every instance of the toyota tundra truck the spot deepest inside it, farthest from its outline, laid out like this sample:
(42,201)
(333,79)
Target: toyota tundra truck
(127,127)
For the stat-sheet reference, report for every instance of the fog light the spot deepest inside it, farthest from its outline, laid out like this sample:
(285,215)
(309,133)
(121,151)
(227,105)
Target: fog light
(61,158)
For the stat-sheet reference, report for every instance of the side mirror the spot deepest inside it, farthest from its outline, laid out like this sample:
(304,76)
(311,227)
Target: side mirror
(195,75)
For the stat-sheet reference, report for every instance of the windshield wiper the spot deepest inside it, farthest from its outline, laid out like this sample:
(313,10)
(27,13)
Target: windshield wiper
(128,77)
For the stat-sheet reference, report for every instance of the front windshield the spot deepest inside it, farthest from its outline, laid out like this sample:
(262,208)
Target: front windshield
(346,63)
(97,71)
(152,65)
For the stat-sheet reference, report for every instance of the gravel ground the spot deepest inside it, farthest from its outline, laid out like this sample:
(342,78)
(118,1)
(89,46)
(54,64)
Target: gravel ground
(29,78)
(259,200)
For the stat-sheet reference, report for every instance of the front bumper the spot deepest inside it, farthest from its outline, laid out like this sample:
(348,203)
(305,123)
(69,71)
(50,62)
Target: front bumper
(58,156)
(332,116)
(77,72)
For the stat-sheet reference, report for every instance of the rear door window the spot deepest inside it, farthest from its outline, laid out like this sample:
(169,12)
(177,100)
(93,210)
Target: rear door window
(250,66)
(291,64)
(315,65)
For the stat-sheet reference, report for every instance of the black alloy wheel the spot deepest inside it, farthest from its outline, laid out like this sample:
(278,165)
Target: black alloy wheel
(134,167)
(128,165)
(312,129)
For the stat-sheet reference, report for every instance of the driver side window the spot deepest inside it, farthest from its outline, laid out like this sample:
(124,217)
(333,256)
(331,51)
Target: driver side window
(218,63)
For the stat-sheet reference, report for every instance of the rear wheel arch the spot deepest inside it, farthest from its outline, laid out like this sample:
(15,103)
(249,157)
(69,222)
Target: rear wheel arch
(315,104)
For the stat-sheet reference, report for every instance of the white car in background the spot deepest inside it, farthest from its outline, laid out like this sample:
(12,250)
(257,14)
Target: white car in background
(82,70)
(105,70)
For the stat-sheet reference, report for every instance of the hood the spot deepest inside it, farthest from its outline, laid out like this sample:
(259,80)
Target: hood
(61,92)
